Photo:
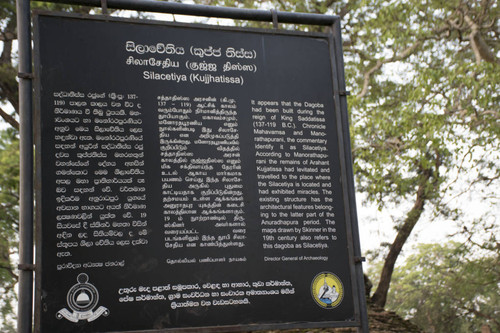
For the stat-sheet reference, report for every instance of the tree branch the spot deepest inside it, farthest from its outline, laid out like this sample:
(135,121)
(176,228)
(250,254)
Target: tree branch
(344,10)
(11,272)
(479,46)
(8,35)
(481,314)
(413,216)
(8,118)
(403,55)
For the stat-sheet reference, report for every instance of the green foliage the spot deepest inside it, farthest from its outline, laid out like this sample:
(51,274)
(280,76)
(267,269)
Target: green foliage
(416,115)
(426,96)
(9,211)
(7,9)
(449,288)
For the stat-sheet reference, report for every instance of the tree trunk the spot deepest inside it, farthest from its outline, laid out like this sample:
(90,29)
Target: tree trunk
(8,83)
(380,295)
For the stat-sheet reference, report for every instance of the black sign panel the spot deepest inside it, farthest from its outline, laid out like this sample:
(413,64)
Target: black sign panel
(189,177)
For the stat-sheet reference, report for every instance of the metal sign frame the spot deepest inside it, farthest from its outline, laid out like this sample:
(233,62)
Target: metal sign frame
(25,308)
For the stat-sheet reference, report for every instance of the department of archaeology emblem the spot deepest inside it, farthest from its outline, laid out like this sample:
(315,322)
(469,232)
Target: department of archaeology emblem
(82,298)
(327,290)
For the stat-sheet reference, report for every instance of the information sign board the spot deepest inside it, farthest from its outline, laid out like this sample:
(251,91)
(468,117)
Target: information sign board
(189,177)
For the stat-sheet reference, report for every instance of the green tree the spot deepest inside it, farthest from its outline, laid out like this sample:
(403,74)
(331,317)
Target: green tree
(8,72)
(9,209)
(446,288)
(411,130)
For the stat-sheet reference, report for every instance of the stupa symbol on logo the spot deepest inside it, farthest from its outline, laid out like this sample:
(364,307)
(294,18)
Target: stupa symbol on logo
(82,298)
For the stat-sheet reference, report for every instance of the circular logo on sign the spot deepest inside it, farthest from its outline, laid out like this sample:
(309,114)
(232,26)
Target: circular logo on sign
(83,296)
(327,290)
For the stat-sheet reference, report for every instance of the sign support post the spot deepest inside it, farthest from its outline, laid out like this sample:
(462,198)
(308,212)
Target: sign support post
(26,168)
(339,56)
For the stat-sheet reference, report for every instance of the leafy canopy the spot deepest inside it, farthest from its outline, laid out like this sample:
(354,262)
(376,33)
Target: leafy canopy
(9,211)
(449,288)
